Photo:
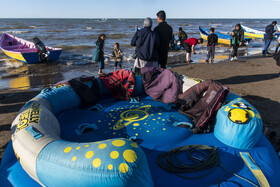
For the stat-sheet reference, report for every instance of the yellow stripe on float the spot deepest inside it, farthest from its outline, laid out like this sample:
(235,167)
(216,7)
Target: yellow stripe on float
(254,169)
(17,56)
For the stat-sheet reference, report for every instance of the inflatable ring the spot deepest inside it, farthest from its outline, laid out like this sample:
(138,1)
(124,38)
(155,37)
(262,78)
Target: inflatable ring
(36,136)
(57,142)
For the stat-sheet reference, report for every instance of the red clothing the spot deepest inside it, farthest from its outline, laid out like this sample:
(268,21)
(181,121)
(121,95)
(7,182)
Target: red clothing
(191,41)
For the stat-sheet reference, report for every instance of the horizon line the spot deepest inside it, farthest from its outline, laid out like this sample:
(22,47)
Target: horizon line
(122,18)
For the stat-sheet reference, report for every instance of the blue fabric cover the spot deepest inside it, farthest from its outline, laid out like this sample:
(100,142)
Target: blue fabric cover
(240,136)
(61,97)
(151,123)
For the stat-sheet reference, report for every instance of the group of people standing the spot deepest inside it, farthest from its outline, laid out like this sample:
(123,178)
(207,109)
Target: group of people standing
(152,46)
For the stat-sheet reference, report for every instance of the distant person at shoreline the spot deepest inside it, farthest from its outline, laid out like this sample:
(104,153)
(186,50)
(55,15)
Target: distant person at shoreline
(147,43)
(117,54)
(98,54)
(269,31)
(165,33)
(237,40)
(182,35)
(212,41)
(137,28)
(189,45)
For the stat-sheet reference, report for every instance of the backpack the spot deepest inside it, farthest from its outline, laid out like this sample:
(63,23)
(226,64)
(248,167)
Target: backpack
(276,57)
(88,94)
(121,83)
(95,55)
(201,102)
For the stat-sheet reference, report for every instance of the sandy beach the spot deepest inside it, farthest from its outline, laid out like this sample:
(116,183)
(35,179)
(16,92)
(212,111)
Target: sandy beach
(254,78)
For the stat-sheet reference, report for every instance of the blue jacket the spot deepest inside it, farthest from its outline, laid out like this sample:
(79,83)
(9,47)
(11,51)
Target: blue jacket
(150,44)
(269,30)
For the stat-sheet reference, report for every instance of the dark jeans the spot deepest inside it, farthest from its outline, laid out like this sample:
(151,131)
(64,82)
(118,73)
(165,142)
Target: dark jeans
(118,63)
(266,46)
(162,59)
(101,62)
(235,49)
(210,52)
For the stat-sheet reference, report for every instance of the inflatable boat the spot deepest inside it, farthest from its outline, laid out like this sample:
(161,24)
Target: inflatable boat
(222,38)
(56,142)
(25,51)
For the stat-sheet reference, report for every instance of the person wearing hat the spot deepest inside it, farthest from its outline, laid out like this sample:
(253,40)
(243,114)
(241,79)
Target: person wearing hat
(147,43)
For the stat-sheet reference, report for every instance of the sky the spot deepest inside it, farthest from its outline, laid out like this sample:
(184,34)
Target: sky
(139,8)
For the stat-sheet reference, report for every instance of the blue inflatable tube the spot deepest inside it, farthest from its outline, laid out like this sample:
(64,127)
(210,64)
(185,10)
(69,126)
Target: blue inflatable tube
(55,142)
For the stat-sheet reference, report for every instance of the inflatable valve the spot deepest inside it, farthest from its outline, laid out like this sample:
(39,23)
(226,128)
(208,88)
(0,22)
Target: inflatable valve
(238,115)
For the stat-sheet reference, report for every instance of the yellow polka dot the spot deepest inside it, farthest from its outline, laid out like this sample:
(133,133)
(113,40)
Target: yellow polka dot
(96,162)
(258,116)
(134,128)
(77,148)
(163,119)
(148,131)
(89,154)
(118,143)
(99,121)
(134,145)
(145,123)
(251,113)
(102,146)
(136,124)
(110,167)
(227,109)
(159,118)
(159,113)
(130,156)
(154,119)
(67,149)
(86,145)
(114,154)
(74,159)
(164,129)
(136,134)
(123,167)
(114,133)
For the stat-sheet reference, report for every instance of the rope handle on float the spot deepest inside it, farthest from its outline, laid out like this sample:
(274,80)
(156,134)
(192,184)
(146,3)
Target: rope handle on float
(210,158)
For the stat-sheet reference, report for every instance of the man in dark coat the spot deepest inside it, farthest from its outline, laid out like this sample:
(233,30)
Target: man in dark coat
(165,33)
(269,30)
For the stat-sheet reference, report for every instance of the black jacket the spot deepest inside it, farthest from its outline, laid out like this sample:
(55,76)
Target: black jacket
(269,30)
(150,40)
(212,39)
(165,33)
(100,44)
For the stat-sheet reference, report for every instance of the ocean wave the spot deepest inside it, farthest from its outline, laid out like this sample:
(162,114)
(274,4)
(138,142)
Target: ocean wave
(54,30)
(89,28)
(74,47)
(15,32)
(34,27)
(186,25)
(13,64)
(117,36)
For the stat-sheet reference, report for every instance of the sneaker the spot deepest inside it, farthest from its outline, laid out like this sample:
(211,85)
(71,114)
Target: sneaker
(207,61)
(191,60)
(232,59)
(235,58)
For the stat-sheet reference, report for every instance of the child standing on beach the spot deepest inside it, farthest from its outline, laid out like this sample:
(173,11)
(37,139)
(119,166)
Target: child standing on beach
(100,45)
(117,55)
(212,42)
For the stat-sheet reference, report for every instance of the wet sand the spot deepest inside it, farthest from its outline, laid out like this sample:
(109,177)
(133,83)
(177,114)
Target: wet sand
(253,78)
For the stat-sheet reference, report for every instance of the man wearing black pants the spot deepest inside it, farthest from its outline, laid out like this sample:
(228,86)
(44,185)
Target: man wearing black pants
(165,33)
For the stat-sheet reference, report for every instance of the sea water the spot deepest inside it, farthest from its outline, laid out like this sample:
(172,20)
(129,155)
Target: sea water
(77,37)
